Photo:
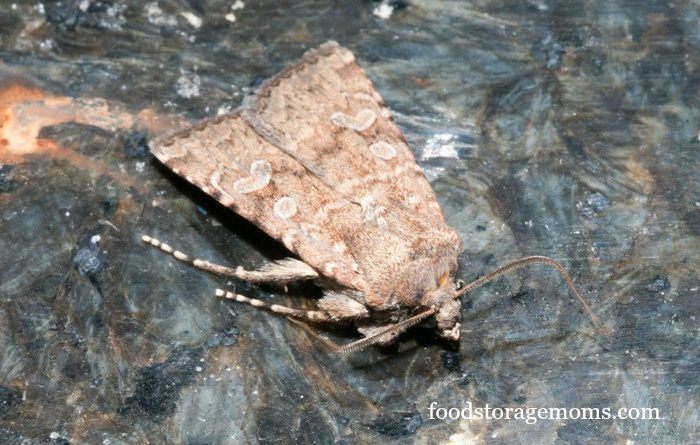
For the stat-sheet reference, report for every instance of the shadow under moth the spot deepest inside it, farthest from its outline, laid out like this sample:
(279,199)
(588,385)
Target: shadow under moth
(314,159)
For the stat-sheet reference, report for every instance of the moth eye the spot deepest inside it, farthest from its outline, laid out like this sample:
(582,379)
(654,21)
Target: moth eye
(360,122)
(260,175)
(285,207)
(383,150)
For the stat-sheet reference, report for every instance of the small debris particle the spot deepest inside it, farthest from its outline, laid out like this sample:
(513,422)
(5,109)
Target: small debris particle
(659,284)
(192,19)
(384,10)
(188,87)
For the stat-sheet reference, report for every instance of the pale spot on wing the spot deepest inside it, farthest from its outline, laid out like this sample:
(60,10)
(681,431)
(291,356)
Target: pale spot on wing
(372,212)
(260,175)
(289,238)
(360,122)
(172,149)
(412,201)
(383,150)
(329,268)
(363,96)
(347,56)
(285,207)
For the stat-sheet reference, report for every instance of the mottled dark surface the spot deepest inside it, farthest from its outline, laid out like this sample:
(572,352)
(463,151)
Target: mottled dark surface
(569,129)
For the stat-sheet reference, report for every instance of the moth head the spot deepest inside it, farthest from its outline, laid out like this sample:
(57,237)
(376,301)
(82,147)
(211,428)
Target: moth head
(447,306)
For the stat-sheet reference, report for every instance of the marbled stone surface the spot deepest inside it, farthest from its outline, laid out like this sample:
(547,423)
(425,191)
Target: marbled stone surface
(569,129)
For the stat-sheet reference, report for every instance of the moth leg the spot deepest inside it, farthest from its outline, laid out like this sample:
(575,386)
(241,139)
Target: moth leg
(315,316)
(282,271)
(384,336)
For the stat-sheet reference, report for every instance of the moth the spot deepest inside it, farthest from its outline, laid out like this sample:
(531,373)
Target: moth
(314,159)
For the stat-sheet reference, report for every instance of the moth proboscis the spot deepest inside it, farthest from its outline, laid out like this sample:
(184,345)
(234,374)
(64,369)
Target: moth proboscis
(314,159)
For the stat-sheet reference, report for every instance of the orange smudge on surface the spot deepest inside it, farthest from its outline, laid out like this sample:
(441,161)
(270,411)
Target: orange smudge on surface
(24,111)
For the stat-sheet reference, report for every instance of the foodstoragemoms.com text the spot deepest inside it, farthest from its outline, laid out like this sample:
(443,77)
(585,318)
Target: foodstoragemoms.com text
(532,415)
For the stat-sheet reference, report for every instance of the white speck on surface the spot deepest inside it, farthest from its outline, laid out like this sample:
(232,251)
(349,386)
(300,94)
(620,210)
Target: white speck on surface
(54,435)
(116,14)
(441,145)
(40,8)
(198,369)
(46,45)
(383,10)
(224,109)
(433,173)
(140,166)
(67,213)
(156,16)
(188,86)
(95,239)
(238,5)
(84,5)
(230,17)
(192,19)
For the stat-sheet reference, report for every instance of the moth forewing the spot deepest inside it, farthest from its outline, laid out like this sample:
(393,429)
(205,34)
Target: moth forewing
(314,159)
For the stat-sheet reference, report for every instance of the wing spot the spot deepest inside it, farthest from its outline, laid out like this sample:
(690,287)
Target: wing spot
(383,150)
(363,96)
(360,122)
(329,268)
(347,57)
(340,247)
(260,175)
(285,207)
(288,239)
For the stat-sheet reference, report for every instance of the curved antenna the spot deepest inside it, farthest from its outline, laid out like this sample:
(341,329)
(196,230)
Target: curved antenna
(535,259)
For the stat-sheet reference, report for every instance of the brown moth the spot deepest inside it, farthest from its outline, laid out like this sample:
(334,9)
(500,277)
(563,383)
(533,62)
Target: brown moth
(314,159)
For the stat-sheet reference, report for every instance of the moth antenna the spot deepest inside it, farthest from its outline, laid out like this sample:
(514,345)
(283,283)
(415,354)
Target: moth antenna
(380,337)
(315,316)
(536,259)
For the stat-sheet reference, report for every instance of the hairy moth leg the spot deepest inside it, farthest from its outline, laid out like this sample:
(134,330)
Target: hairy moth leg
(383,336)
(282,271)
(315,316)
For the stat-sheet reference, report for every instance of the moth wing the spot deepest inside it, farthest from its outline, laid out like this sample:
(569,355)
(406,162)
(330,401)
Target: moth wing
(325,112)
(231,162)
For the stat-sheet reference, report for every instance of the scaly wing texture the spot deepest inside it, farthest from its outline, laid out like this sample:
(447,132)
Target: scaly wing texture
(325,112)
(228,160)
(315,161)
